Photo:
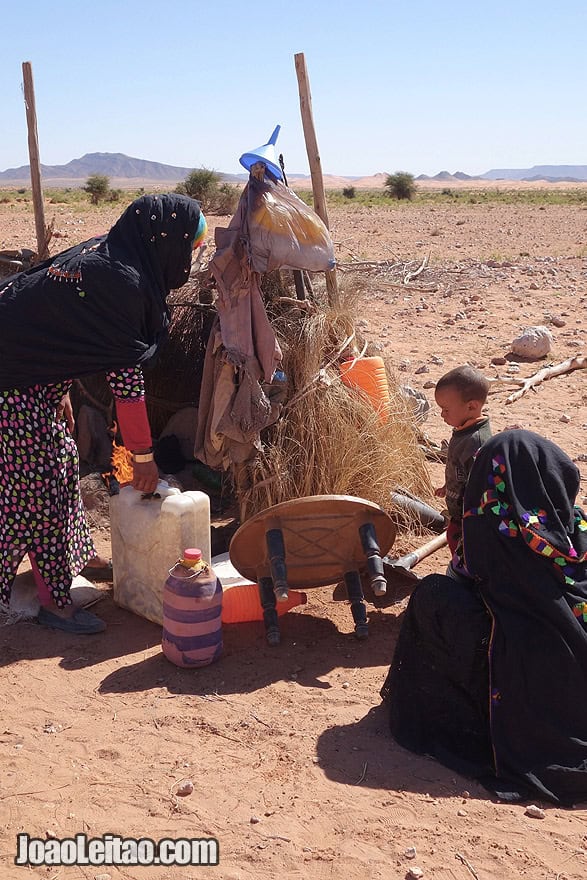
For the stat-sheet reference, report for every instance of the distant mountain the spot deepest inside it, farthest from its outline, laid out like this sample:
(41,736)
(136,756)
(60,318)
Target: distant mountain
(552,173)
(109,164)
(447,177)
(119,166)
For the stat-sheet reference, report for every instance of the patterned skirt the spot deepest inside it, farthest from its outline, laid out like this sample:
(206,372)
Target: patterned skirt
(41,510)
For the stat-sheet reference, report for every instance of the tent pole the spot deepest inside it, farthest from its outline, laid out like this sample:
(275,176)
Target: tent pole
(314,161)
(38,204)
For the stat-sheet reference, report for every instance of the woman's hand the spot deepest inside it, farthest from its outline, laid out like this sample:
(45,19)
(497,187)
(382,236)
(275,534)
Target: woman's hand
(65,412)
(145,476)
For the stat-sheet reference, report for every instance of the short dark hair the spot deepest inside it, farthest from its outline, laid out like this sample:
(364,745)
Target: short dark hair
(468,381)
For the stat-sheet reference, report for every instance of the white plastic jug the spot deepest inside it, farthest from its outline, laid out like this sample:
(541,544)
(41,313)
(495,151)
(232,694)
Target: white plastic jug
(148,537)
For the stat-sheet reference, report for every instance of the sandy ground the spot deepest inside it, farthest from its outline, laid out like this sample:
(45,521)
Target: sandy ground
(293,768)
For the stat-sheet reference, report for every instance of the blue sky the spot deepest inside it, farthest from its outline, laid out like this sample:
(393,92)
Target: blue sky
(419,86)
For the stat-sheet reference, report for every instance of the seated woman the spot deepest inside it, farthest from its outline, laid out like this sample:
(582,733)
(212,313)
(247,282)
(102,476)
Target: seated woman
(490,673)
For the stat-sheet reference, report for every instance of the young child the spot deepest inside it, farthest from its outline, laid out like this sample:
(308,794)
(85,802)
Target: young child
(461,395)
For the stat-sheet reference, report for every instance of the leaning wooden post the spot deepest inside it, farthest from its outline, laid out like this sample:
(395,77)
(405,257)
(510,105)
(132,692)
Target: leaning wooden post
(38,205)
(314,160)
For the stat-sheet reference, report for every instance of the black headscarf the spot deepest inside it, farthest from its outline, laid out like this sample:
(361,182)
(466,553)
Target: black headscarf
(525,544)
(100,305)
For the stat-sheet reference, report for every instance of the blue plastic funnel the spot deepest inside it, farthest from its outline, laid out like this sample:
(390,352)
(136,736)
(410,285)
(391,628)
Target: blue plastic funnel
(266,154)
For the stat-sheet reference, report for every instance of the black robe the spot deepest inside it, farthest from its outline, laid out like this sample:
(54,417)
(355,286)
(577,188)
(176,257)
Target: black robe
(489,675)
(100,305)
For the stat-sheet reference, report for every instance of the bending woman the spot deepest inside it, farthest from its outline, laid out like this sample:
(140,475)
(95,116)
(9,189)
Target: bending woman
(99,306)
(489,674)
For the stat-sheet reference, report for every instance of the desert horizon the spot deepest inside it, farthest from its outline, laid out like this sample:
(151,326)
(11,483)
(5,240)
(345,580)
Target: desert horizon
(332,182)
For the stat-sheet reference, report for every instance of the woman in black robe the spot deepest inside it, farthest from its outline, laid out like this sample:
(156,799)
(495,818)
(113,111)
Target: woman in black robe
(489,674)
(99,306)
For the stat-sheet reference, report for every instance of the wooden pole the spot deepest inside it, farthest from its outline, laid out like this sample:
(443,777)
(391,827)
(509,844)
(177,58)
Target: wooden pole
(314,161)
(38,204)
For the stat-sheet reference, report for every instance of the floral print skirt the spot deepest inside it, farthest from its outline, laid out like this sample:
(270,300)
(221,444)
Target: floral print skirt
(41,511)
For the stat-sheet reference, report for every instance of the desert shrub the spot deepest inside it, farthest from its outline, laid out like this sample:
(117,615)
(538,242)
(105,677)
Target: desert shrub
(114,195)
(226,199)
(205,186)
(98,186)
(201,184)
(400,185)
(349,192)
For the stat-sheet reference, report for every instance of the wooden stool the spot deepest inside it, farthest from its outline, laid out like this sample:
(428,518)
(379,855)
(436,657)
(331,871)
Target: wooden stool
(312,542)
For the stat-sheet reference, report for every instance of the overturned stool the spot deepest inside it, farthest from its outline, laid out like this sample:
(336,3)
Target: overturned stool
(313,542)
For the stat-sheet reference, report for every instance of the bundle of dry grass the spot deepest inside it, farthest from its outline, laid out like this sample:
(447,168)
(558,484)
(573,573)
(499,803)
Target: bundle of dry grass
(329,439)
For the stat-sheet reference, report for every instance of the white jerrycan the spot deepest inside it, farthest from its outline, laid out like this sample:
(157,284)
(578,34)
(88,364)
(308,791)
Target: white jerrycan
(148,536)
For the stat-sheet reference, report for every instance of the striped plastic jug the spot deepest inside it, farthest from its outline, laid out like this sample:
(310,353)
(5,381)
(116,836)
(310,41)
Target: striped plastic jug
(192,612)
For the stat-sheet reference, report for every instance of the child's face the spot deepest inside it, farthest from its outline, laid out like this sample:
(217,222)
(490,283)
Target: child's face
(454,410)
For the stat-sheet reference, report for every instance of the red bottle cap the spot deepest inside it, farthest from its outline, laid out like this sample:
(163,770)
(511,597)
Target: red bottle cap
(192,554)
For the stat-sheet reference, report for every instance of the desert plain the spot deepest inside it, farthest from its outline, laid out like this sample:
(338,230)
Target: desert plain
(293,768)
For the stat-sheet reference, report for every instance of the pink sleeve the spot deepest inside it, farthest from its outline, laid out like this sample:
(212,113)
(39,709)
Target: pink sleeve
(134,424)
(128,388)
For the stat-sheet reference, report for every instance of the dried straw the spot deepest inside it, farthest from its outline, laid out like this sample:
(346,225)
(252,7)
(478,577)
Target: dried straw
(330,440)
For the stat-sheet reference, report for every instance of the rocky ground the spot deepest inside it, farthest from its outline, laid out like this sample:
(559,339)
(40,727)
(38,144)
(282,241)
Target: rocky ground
(288,751)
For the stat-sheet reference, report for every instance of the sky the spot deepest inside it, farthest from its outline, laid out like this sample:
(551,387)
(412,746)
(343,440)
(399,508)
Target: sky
(396,85)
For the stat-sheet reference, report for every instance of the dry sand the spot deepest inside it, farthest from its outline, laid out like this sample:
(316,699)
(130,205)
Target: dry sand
(293,768)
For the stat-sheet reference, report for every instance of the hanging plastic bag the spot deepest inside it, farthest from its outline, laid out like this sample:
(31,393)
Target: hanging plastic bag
(283,231)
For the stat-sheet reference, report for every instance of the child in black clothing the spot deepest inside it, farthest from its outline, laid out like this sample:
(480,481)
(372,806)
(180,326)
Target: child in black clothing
(461,395)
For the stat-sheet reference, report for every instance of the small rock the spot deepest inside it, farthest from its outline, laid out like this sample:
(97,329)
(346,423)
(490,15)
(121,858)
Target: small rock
(436,359)
(565,419)
(102,876)
(410,852)
(534,812)
(498,361)
(557,321)
(345,684)
(415,872)
(185,788)
(254,820)
(461,812)
(465,795)
(429,384)
(423,369)
(534,286)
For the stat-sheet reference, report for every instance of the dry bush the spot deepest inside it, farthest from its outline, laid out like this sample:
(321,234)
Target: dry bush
(329,439)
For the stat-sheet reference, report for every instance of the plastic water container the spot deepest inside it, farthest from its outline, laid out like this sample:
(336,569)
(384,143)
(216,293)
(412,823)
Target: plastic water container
(192,609)
(369,376)
(147,535)
(241,602)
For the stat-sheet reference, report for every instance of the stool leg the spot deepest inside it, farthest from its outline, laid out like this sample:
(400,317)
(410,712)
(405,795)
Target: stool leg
(267,596)
(276,548)
(355,593)
(374,562)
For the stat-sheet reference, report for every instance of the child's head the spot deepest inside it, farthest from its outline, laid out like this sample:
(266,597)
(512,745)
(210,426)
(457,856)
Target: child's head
(461,394)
